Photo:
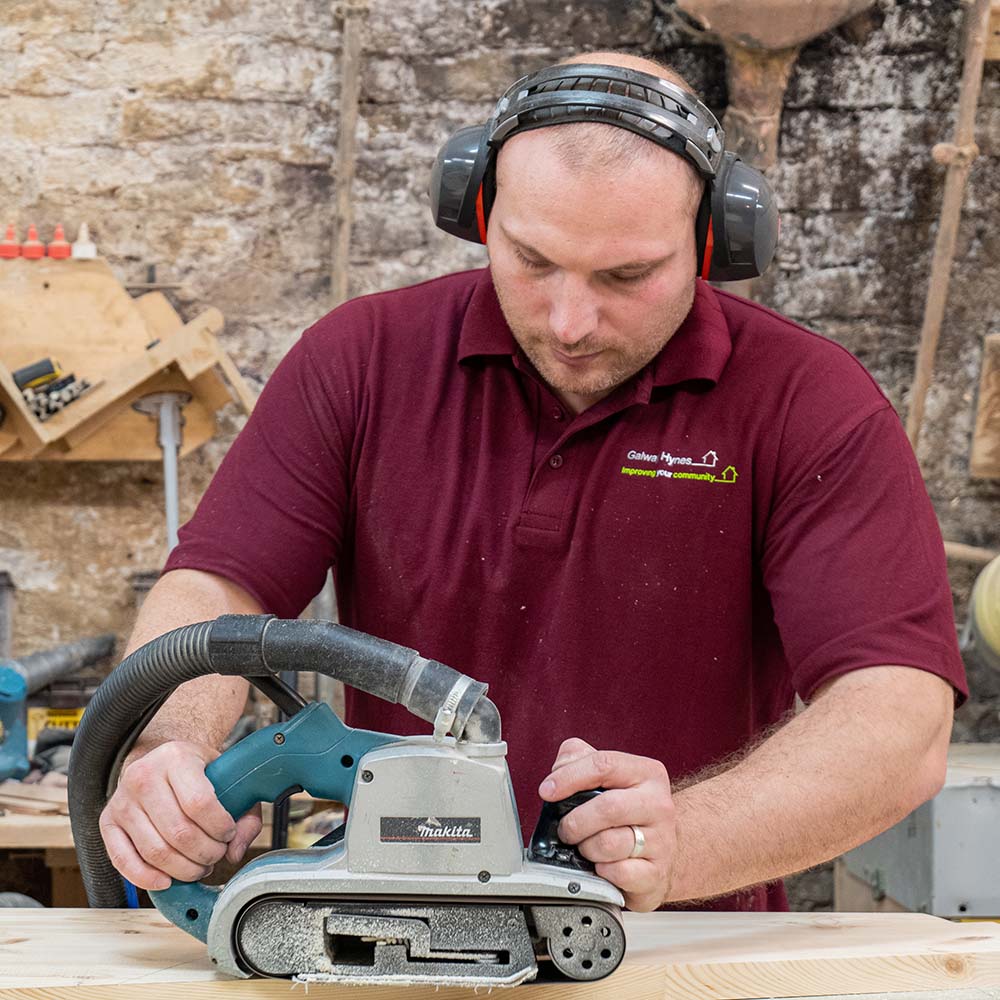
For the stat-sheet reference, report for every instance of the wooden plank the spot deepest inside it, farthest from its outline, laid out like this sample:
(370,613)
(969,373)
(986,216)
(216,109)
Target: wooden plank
(209,385)
(973,764)
(110,954)
(26,800)
(211,389)
(67,886)
(34,832)
(159,315)
(126,434)
(993,32)
(29,807)
(852,894)
(73,311)
(43,793)
(984,461)
(232,373)
(19,419)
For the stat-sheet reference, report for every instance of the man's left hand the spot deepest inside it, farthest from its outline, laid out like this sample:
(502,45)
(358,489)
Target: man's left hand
(637,794)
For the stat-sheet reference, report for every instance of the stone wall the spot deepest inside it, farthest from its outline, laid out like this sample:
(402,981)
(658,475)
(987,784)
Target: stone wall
(200,135)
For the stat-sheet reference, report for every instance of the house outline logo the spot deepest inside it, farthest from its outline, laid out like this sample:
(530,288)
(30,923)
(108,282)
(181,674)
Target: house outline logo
(660,464)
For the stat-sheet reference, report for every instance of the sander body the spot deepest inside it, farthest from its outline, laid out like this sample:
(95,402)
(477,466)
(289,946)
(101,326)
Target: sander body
(427,881)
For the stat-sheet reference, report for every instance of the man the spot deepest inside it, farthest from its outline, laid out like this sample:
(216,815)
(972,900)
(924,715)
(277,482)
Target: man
(646,512)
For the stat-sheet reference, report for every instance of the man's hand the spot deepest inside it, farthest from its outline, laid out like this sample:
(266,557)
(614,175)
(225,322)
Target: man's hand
(637,793)
(164,820)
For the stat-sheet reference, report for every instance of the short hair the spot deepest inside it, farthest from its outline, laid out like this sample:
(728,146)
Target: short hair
(605,146)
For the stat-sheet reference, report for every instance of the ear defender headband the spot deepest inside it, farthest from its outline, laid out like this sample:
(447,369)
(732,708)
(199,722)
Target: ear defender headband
(736,227)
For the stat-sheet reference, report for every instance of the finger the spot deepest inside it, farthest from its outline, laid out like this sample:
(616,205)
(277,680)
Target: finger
(197,799)
(639,880)
(156,851)
(613,808)
(146,788)
(615,844)
(600,769)
(126,859)
(182,833)
(571,749)
(248,828)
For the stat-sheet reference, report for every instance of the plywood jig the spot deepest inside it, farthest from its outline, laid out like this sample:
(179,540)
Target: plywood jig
(77,313)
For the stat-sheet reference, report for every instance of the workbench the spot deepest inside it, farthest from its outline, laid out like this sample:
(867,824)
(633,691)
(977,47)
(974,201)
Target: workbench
(52,838)
(118,954)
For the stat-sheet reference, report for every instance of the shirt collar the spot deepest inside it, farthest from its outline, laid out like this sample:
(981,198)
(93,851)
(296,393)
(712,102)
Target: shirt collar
(698,350)
(484,330)
(701,346)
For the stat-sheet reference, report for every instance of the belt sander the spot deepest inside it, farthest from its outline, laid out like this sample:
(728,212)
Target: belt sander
(428,880)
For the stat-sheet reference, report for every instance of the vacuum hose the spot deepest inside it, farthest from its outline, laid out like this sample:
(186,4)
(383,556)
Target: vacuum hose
(41,669)
(247,646)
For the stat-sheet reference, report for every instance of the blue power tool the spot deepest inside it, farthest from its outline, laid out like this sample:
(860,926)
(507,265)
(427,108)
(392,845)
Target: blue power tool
(19,679)
(427,882)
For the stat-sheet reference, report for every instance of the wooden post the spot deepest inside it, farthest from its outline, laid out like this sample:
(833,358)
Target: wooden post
(969,553)
(958,156)
(352,12)
(984,459)
(757,81)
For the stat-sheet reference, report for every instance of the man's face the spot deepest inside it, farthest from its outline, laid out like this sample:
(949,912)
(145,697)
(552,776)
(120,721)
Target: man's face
(594,267)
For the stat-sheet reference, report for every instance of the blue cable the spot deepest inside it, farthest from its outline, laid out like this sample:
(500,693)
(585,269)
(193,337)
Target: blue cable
(131,895)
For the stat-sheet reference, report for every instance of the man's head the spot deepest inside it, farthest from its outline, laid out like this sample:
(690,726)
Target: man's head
(592,247)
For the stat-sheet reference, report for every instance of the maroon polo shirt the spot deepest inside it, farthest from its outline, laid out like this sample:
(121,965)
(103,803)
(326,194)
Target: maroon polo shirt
(740,521)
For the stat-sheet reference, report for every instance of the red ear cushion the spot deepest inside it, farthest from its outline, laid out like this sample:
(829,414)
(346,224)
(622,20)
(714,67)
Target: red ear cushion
(481,215)
(706,263)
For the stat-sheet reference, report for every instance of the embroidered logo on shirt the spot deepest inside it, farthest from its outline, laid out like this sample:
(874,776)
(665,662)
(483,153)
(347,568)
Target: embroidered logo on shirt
(669,466)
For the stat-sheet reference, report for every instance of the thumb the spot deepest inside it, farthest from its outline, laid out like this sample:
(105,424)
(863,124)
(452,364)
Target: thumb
(248,827)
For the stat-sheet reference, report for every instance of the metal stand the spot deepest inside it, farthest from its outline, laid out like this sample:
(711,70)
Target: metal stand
(166,407)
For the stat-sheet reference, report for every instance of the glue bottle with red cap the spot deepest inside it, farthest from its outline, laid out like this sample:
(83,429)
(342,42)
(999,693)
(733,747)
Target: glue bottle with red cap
(32,248)
(9,247)
(59,248)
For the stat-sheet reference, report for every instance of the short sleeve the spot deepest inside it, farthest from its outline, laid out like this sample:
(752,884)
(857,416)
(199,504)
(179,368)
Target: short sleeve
(273,517)
(854,563)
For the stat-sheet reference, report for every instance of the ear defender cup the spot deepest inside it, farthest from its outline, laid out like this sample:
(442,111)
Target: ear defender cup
(736,227)
(456,184)
(743,228)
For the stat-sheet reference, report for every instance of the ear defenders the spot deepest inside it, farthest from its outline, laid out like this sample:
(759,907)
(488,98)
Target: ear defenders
(736,227)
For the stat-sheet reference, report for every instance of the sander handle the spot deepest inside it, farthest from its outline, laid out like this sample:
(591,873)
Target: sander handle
(313,751)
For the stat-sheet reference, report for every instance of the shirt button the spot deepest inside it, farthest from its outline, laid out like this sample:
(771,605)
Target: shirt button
(556,461)
(557,414)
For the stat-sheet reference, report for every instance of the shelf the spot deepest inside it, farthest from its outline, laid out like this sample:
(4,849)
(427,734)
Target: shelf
(77,313)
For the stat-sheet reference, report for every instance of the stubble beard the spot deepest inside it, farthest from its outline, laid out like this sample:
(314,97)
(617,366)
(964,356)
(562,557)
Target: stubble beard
(615,365)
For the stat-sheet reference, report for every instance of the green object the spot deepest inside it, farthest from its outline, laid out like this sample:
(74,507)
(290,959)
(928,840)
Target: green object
(982,631)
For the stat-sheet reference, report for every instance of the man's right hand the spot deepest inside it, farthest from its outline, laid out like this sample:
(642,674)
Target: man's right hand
(164,820)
